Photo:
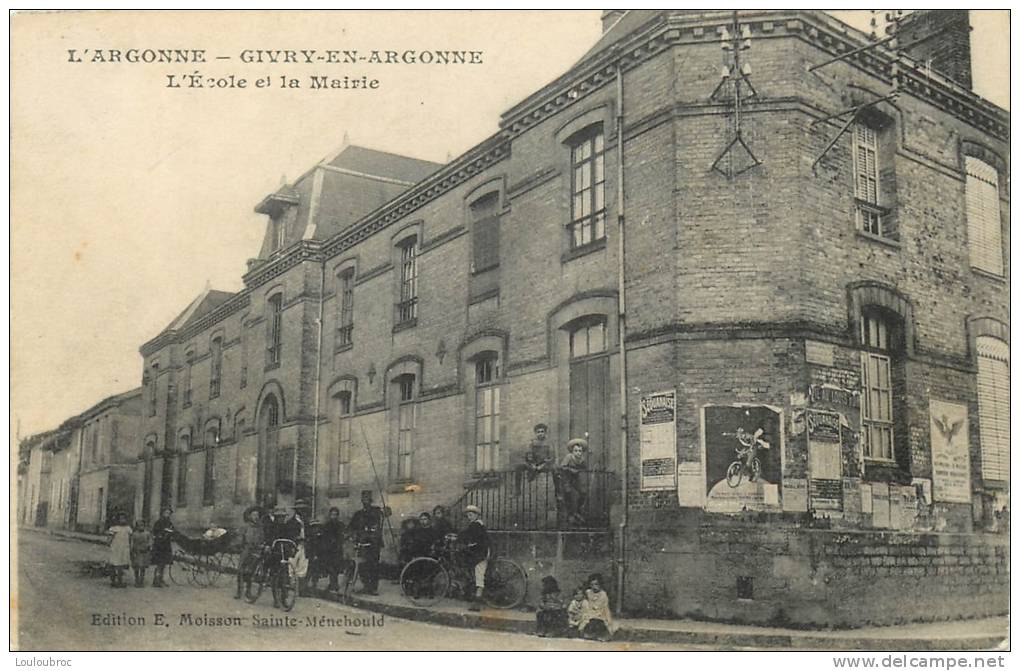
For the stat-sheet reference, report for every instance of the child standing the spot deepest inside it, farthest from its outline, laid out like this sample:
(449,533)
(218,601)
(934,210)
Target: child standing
(120,549)
(141,546)
(551,616)
(575,608)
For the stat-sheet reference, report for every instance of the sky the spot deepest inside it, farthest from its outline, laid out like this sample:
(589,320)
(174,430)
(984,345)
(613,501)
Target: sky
(128,197)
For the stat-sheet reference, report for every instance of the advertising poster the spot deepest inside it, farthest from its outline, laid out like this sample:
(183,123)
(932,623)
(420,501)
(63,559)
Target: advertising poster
(950,452)
(743,457)
(658,440)
(824,460)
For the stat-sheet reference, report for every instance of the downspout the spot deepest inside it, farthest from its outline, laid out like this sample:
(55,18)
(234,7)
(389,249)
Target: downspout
(318,384)
(313,211)
(621,327)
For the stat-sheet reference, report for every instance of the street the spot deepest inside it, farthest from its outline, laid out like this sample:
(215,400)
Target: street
(58,608)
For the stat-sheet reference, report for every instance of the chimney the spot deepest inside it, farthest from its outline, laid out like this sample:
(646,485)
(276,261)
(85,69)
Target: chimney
(609,17)
(939,38)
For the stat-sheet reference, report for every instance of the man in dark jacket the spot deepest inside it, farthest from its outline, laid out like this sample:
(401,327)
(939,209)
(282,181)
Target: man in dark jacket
(366,528)
(162,548)
(474,540)
(331,548)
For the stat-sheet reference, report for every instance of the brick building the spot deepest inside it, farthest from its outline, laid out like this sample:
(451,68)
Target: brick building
(809,268)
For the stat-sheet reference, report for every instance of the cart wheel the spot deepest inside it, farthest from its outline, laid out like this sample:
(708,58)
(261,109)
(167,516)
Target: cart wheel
(424,581)
(178,577)
(215,570)
(506,584)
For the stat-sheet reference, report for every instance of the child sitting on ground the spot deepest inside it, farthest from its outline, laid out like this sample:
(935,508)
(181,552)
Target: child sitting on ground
(576,606)
(596,618)
(551,616)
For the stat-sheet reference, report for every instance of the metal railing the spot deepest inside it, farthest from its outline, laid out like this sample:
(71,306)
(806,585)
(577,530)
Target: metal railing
(548,501)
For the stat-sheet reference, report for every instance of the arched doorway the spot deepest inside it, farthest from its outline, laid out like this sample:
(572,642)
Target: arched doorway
(269,430)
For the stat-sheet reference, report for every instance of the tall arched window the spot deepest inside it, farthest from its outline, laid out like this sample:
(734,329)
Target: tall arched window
(183,448)
(407,307)
(212,439)
(993,407)
(345,308)
(588,187)
(269,427)
(215,365)
(340,458)
(487,425)
(407,397)
(590,385)
(274,336)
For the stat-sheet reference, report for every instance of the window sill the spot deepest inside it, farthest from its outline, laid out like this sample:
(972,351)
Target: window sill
(338,492)
(484,296)
(404,325)
(400,486)
(988,275)
(482,481)
(584,250)
(871,237)
(343,348)
(482,271)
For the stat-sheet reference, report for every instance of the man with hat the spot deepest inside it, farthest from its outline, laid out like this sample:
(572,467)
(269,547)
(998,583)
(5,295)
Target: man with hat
(570,492)
(538,458)
(366,528)
(162,548)
(253,537)
(474,541)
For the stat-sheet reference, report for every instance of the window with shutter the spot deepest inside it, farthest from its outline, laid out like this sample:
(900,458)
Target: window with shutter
(866,180)
(984,224)
(993,407)
(485,232)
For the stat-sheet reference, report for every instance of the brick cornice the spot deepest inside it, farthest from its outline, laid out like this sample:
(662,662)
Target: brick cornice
(814,27)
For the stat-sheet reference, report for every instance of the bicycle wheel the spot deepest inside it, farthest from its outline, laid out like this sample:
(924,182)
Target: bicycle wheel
(350,578)
(734,474)
(424,581)
(287,584)
(254,585)
(506,584)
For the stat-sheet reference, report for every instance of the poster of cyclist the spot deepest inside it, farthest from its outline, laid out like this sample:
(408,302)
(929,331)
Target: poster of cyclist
(742,452)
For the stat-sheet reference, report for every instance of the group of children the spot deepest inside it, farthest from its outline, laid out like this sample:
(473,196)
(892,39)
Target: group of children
(129,547)
(587,615)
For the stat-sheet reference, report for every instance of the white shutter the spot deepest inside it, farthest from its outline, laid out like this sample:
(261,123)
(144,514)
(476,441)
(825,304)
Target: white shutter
(984,224)
(993,407)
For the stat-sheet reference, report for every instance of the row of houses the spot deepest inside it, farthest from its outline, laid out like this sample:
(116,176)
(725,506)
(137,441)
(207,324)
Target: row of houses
(77,475)
(775,304)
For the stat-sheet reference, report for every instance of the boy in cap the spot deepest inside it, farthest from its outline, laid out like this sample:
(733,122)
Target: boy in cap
(537,459)
(475,543)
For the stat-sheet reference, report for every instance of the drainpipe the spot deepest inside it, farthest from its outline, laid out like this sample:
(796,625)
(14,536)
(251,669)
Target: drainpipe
(318,391)
(621,326)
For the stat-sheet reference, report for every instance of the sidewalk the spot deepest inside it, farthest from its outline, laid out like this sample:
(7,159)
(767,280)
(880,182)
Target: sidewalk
(981,634)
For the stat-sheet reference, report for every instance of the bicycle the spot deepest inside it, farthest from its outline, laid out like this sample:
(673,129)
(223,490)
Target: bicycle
(426,581)
(275,568)
(747,460)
